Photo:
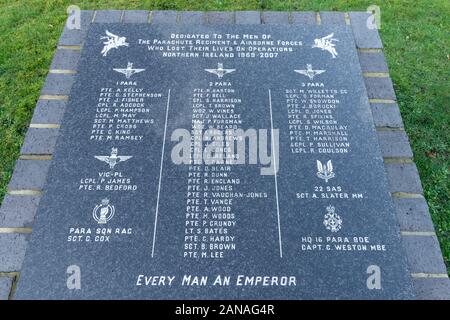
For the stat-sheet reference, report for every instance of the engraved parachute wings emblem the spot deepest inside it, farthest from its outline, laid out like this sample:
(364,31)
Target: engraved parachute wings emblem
(220,71)
(113,159)
(129,70)
(309,72)
(325,172)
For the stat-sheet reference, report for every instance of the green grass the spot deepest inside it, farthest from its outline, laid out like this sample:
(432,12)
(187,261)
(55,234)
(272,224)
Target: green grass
(415,34)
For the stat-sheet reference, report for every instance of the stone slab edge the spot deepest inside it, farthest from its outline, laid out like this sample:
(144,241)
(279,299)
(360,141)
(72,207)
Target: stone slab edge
(429,277)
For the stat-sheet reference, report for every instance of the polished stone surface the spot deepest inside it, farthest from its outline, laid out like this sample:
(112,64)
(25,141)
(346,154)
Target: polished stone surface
(322,227)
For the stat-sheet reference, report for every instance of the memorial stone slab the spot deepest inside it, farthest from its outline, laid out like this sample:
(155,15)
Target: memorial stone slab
(154,193)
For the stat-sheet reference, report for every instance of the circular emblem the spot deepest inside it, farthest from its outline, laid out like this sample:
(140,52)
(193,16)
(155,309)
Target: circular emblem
(103,212)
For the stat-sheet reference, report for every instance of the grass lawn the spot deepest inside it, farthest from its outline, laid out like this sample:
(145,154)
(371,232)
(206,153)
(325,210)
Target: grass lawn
(415,34)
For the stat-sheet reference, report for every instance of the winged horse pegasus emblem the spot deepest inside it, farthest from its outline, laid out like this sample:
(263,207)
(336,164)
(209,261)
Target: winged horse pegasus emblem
(113,42)
(326,43)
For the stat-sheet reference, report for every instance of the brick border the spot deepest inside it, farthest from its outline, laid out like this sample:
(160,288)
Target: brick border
(428,271)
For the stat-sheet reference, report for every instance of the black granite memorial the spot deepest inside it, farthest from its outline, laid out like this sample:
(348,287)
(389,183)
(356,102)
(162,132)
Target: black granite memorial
(220,162)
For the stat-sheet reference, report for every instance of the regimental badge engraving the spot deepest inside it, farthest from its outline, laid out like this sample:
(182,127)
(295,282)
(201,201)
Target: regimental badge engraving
(220,71)
(309,72)
(332,221)
(129,70)
(326,43)
(325,172)
(103,212)
(113,42)
(113,159)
